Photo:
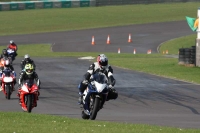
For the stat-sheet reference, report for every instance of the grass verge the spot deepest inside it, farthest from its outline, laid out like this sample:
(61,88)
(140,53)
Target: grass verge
(36,123)
(174,45)
(64,19)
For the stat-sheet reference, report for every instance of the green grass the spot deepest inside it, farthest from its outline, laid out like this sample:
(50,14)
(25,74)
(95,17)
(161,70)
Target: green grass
(174,45)
(64,19)
(37,123)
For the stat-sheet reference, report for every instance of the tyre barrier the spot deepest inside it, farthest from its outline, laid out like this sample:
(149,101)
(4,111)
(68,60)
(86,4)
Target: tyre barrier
(24,5)
(181,56)
(187,56)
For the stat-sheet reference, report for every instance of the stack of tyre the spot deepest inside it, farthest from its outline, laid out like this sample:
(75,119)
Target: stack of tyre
(187,56)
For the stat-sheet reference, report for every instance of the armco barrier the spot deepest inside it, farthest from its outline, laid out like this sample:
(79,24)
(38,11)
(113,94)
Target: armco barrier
(23,5)
(128,2)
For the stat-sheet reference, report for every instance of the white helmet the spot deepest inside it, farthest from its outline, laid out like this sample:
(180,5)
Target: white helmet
(11,41)
(26,56)
(102,60)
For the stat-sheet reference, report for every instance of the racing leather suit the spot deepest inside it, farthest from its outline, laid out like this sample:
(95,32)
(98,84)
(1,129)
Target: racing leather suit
(23,76)
(108,71)
(14,47)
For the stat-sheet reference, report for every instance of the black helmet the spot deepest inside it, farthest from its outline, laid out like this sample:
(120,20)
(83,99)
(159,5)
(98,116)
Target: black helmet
(4,52)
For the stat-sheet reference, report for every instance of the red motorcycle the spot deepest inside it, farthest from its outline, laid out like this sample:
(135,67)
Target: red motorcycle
(8,78)
(28,95)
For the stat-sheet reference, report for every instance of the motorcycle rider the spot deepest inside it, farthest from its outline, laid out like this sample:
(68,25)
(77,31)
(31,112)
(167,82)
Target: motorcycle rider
(7,66)
(4,54)
(13,46)
(100,66)
(27,60)
(28,74)
(5,62)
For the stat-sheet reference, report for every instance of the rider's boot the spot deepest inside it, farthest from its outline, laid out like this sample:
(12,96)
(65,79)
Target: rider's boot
(13,88)
(86,109)
(38,95)
(80,98)
(18,94)
(1,88)
(35,103)
(20,101)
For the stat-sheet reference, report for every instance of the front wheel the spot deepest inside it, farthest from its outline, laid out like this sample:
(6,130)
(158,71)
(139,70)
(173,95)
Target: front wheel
(8,91)
(29,103)
(95,108)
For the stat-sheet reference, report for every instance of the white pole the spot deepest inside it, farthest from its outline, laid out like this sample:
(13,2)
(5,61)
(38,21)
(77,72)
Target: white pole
(198,30)
(198,42)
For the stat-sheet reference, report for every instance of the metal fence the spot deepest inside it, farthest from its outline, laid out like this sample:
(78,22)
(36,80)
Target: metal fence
(25,4)
(128,2)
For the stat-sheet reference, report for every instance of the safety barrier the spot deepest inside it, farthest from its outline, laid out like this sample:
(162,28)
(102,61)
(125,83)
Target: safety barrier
(128,2)
(187,56)
(23,5)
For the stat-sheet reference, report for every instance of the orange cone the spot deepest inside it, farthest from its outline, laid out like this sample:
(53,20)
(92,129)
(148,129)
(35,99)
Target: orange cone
(118,50)
(108,40)
(129,38)
(134,51)
(163,52)
(149,51)
(166,52)
(93,43)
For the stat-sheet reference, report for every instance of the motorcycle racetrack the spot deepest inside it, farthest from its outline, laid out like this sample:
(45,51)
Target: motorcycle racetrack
(143,98)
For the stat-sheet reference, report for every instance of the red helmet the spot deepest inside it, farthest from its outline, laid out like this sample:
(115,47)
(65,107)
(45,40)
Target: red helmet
(102,60)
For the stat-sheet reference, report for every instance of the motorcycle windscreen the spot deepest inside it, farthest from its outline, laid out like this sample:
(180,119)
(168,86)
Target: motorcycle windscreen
(7,72)
(29,82)
(99,86)
(100,78)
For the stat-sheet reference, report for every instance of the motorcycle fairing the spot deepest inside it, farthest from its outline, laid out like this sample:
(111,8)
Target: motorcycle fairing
(7,79)
(100,87)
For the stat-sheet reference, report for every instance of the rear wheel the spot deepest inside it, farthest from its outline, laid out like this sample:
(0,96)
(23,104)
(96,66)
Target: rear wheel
(8,92)
(29,103)
(95,108)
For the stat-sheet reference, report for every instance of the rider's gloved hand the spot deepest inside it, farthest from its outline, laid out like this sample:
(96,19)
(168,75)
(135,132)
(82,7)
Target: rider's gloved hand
(85,82)
(111,88)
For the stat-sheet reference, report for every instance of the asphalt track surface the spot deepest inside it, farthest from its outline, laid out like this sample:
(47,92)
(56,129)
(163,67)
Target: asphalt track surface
(143,98)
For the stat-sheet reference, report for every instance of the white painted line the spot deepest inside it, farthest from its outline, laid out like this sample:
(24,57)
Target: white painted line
(86,58)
